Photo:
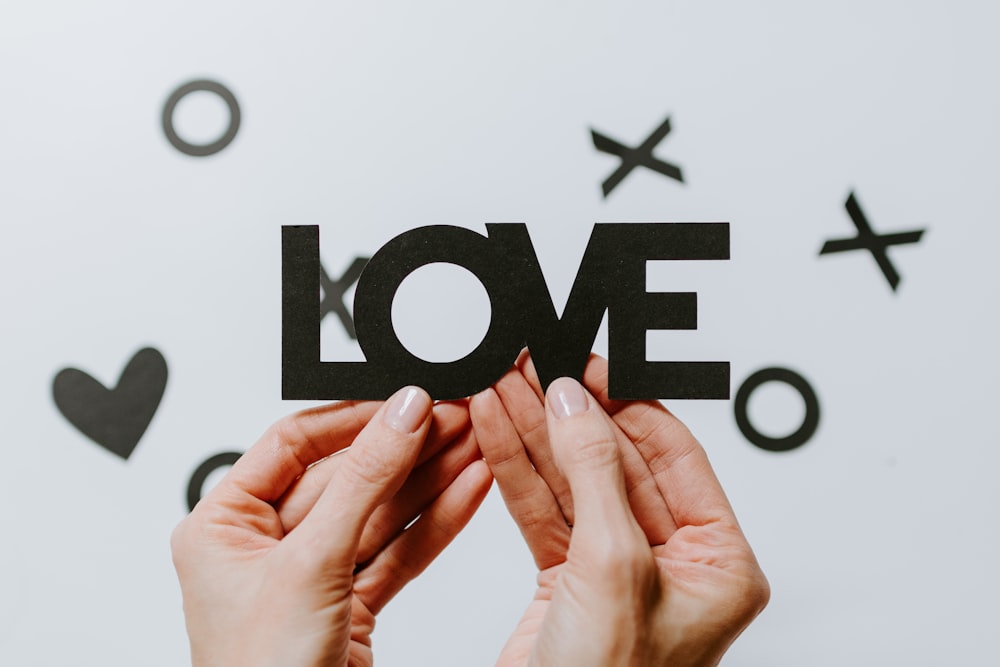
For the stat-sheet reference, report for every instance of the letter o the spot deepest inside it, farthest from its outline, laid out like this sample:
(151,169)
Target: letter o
(201,150)
(809,423)
(373,310)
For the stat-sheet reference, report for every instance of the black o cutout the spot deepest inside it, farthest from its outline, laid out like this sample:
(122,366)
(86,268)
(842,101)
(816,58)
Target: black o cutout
(809,423)
(201,150)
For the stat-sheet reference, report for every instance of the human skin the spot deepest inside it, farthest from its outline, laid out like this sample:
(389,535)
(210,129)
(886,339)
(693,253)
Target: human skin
(641,560)
(289,559)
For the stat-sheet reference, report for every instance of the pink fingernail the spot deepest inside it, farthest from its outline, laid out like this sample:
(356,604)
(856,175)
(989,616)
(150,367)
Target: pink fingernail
(567,398)
(407,409)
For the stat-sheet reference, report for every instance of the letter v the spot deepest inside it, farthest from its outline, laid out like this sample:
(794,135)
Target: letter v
(560,347)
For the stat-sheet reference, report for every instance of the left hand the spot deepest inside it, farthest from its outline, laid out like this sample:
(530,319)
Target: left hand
(288,560)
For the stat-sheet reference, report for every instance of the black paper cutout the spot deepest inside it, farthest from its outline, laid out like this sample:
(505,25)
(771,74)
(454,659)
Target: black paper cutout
(333,293)
(869,240)
(611,277)
(113,418)
(810,421)
(642,156)
(201,150)
(384,274)
(201,473)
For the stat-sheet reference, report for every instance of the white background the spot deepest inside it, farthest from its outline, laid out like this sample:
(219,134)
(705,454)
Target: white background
(879,535)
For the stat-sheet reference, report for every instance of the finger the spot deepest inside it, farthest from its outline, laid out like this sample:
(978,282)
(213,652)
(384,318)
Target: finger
(413,550)
(676,460)
(527,413)
(587,453)
(526,366)
(528,498)
(595,378)
(291,445)
(449,421)
(645,497)
(609,557)
(423,486)
(372,470)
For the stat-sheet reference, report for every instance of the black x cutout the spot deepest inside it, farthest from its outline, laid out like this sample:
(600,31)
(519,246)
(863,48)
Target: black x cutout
(333,293)
(635,157)
(869,240)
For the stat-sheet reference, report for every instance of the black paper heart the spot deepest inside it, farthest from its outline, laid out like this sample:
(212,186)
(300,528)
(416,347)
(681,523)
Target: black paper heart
(113,418)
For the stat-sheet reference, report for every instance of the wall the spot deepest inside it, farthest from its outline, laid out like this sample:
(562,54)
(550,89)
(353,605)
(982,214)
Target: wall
(877,532)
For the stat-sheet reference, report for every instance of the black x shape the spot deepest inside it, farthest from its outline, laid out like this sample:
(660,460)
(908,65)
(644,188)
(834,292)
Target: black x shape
(869,240)
(635,157)
(333,293)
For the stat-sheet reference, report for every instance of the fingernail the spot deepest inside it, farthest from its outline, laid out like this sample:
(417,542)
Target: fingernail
(567,398)
(407,409)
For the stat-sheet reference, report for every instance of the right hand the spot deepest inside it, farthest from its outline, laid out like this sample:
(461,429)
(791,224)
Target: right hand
(641,560)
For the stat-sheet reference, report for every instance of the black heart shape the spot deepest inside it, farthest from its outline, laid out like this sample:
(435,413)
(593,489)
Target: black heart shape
(113,418)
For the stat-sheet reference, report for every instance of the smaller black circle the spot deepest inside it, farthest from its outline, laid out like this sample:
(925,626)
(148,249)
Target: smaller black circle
(207,467)
(809,423)
(201,150)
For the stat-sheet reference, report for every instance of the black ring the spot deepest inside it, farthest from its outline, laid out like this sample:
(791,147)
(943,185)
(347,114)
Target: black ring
(207,467)
(201,150)
(809,423)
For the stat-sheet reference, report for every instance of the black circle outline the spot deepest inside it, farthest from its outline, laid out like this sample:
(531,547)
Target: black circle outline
(201,150)
(201,473)
(809,422)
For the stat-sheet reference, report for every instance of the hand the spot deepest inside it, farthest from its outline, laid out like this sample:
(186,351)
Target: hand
(641,560)
(288,560)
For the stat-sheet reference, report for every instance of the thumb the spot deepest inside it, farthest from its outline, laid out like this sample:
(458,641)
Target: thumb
(586,451)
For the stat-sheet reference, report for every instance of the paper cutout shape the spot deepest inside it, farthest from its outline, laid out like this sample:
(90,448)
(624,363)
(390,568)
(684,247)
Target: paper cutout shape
(115,418)
(333,294)
(876,244)
(640,156)
(213,147)
(795,439)
(612,277)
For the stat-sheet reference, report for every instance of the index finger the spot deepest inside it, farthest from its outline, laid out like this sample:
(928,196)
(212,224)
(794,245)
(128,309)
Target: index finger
(449,420)
(649,504)
(676,459)
(294,443)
